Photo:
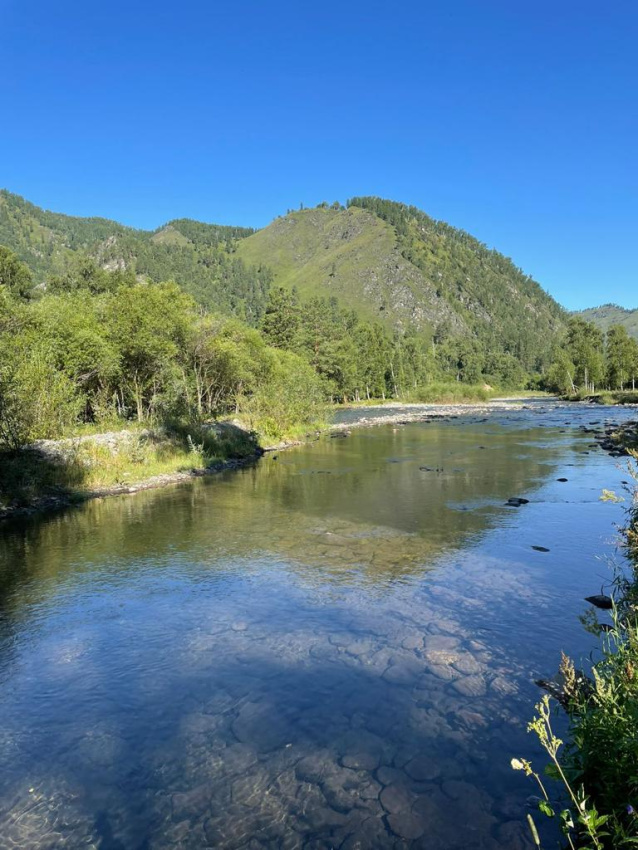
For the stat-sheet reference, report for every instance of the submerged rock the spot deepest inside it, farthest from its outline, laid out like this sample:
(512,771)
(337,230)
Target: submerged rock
(422,768)
(396,799)
(361,761)
(517,501)
(540,548)
(470,686)
(406,826)
(444,643)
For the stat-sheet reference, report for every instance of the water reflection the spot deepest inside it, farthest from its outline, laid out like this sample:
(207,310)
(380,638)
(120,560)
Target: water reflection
(332,649)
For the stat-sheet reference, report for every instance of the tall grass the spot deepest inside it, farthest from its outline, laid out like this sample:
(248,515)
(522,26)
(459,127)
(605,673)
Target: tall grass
(597,770)
(608,397)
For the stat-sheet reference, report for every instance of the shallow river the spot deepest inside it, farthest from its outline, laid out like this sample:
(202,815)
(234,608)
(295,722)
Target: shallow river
(333,648)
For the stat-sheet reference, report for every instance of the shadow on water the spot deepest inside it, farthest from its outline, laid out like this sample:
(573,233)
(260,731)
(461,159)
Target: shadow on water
(297,734)
(29,474)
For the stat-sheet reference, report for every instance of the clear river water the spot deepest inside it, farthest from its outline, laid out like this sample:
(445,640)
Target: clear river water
(333,648)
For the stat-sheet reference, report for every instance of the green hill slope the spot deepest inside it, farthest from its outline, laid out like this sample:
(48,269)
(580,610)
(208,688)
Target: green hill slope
(200,257)
(350,254)
(395,264)
(611,314)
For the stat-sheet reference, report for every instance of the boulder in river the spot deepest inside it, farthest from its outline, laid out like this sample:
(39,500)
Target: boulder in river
(540,548)
(517,501)
(600,601)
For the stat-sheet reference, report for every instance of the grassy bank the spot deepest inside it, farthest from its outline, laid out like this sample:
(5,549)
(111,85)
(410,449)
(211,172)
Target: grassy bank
(452,393)
(436,393)
(457,393)
(609,397)
(76,466)
(597,770)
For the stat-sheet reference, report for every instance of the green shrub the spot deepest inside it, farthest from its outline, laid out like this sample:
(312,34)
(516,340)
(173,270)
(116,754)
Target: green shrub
(453,393)
(291,396)
(36,401)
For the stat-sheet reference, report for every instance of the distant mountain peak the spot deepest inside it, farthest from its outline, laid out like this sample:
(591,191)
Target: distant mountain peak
(611,314)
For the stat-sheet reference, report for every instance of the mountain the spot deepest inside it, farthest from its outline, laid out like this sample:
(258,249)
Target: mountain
(200,257)
(395,264)
(388,262)
(611,314)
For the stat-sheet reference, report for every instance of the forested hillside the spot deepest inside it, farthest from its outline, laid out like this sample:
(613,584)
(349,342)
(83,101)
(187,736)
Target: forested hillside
(608,315)
(379,298)
(500,305)
(394,264)
(200,257)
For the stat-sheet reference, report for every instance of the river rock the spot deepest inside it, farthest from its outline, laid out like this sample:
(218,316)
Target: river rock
(442,657)
(357,742)
(443,671)
(360,647)
(230,832)
(423,768)
(414,641)
(313,767)
(260,725)
(441,642)
(471,718)
(371,833)
(370,789)
(406,826)
(340,787)
(600,601)
(432,809)
(250,789)
(391,776)
(404,671)
(188,804)
(396,799)
(361,761)
(540,548)
(470,686)
(503,686)
(467,663)
(238,758)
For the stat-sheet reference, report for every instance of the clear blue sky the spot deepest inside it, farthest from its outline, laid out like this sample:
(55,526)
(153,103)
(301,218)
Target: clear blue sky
(516,121)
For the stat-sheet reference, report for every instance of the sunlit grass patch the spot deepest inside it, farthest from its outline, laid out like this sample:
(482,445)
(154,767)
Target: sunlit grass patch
(79,466)
(451,393)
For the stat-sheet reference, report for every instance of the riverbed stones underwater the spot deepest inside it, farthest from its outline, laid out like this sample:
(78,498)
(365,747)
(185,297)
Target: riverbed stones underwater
(274,677)
(377,752)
